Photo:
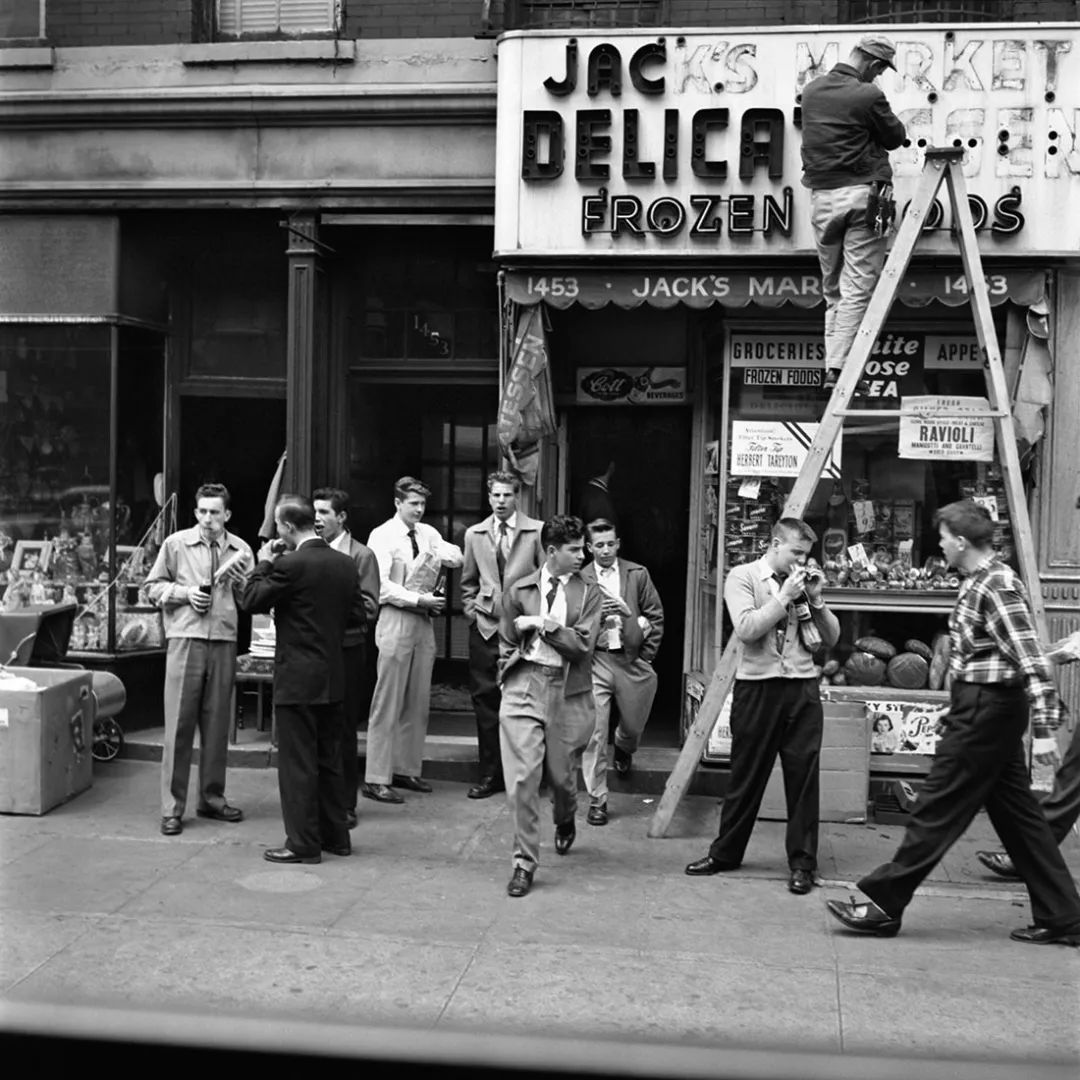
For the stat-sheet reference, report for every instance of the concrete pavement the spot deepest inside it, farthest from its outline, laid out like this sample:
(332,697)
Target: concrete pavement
(96,907)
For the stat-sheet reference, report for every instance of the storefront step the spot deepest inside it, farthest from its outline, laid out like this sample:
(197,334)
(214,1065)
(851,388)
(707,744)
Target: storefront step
(447,757)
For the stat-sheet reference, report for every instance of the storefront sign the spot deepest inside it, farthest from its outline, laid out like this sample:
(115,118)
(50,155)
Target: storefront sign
(943,353)
(764,448)
(687,143)
(769,288)
(631,386)
(945,429)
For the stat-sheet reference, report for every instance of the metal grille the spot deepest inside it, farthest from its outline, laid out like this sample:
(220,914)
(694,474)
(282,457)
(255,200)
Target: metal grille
(906,11)
(554,14)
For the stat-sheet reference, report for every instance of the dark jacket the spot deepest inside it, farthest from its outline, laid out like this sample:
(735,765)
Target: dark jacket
(315,594)
(847,131)
(640,596)
(367,570)
(575,642)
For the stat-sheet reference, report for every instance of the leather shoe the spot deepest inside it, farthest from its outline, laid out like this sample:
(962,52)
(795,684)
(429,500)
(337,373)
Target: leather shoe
(285,855)
(338,849)
(707,866)
(800,882)
(866,918)
(597,815)
(520,883)
(221,813)
(171,826)
(622,761)
(564,838)
(351,820)
(1042,935)
(487,787)
(999,863)
(380,793)
(411,783)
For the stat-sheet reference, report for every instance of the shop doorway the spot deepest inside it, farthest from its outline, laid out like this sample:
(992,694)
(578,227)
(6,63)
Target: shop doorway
(649,449)
(236,442)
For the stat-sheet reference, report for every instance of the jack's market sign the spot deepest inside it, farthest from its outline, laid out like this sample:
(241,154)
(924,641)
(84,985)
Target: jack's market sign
(681,143)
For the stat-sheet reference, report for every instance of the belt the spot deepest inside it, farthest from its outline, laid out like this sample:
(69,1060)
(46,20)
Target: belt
(550,669)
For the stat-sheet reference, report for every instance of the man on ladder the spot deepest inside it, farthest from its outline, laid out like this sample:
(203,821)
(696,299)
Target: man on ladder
(848,129)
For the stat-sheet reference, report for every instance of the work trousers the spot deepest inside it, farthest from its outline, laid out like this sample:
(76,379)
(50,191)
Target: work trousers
(484,687)
(309,777)
(851,254)
(398,721)
(355,657)
(541,731)
(632,686)
(1062,806)
(198,693)
(770,717)
(979,761)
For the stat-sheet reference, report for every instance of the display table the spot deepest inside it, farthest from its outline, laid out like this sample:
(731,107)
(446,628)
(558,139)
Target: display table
(257,671)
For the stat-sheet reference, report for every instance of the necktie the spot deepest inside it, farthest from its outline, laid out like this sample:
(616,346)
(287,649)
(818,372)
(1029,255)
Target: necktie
(781,628)
(415,545)
(552,593)
(213,561)
(500,550)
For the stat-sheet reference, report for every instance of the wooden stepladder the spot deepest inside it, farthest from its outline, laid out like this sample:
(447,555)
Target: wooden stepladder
(941,165)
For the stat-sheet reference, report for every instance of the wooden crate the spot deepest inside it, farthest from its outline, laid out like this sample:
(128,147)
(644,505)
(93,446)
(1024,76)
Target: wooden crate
(45,740)
(845,768)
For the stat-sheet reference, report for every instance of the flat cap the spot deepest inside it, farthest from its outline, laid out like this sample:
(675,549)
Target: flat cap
(879,47)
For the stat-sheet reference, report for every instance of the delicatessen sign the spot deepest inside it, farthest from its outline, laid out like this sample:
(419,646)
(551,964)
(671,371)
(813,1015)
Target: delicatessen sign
(688,143)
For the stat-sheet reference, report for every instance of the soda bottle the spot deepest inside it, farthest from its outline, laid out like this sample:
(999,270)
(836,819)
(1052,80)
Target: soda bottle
(809,634)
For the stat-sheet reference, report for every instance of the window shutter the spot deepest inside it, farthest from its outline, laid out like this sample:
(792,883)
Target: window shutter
(272,16)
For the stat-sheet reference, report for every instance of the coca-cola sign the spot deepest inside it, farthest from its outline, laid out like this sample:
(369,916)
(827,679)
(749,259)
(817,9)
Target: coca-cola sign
(632,386)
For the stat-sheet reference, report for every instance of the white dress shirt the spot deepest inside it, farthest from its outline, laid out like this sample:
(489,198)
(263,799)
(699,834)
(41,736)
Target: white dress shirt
(540,652)
(393,552)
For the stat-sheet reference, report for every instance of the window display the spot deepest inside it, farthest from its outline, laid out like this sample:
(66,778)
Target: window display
(79,521)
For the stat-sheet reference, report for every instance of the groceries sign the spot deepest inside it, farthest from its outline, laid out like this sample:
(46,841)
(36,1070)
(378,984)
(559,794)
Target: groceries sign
(680,143)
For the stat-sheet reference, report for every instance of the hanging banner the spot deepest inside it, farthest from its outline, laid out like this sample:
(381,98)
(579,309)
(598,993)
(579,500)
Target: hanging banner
(776,448)
(936,428)
(631,386)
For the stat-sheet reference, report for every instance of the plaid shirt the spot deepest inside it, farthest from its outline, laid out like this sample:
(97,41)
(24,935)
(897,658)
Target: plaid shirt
(993,640)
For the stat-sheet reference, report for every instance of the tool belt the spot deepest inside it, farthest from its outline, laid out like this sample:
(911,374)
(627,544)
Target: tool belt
(881,208)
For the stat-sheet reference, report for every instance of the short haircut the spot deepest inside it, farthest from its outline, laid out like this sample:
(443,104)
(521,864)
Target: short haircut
(405,486)
(561,529)
(338,499)
(968,519)
(297,511)
(213,491)
(503,477)
(790,528)
(600,525)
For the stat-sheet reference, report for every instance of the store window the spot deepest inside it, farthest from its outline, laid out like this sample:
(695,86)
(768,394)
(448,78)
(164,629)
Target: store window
(22,19)
(238,18)
(926,11)
(81,497)
(873,509)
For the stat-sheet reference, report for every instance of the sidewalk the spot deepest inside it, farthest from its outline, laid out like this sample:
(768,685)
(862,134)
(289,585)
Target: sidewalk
(96,907)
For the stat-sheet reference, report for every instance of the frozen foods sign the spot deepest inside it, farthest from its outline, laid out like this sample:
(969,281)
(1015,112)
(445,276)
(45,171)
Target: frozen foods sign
(688,143)
(936,428)
(775,448)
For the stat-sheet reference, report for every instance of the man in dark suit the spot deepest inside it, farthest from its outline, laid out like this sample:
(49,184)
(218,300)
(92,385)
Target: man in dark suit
(631,631)
(546,639)
(316,598)
(499,550)
(331,512)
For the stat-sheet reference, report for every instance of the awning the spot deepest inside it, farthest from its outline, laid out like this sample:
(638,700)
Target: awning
(665,288)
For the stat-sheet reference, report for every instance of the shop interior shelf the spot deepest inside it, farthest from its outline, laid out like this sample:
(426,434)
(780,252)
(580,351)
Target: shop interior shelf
(934,600)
